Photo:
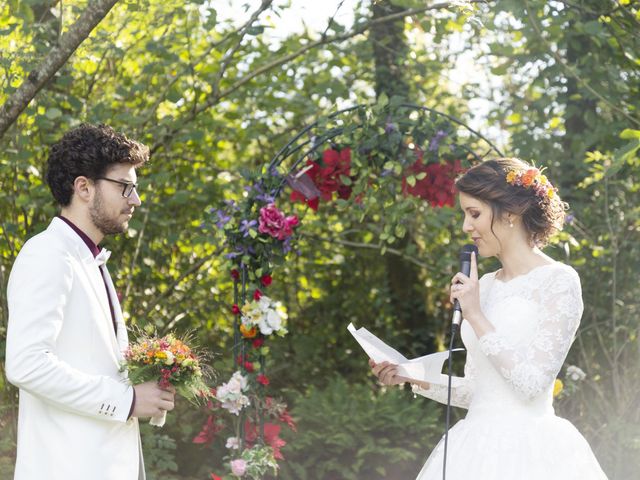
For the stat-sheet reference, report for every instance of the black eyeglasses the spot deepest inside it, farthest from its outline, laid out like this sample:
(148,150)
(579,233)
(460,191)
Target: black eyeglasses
(127,189)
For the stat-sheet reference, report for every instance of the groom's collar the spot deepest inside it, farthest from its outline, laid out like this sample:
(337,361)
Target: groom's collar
(95,250)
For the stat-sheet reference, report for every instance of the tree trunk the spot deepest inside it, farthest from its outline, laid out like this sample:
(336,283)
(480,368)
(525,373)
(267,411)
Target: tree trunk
(390,52)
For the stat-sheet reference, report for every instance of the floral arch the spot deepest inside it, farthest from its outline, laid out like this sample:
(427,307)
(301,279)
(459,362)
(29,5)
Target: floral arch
(361,157)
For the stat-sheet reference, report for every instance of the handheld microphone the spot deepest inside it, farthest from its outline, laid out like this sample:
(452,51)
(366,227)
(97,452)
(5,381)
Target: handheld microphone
(465,267)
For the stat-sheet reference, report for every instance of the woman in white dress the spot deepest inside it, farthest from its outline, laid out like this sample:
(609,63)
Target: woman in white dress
(519,323)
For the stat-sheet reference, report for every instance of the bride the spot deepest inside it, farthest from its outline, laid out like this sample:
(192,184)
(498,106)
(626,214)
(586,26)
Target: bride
(519,324)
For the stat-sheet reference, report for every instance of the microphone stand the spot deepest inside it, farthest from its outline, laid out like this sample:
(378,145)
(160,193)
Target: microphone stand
(465,268)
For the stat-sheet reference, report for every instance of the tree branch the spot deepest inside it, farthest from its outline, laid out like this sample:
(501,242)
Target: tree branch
(572,71)
(370,246)
(324,40)
(195,268)
(56,58)
(176,76)
(228,56)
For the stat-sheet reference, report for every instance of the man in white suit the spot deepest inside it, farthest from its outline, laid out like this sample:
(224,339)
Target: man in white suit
(66,334)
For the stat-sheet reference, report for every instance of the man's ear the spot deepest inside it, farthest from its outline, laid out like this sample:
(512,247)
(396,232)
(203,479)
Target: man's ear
(83,188)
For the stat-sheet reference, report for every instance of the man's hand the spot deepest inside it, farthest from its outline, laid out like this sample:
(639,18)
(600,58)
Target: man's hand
(151,400)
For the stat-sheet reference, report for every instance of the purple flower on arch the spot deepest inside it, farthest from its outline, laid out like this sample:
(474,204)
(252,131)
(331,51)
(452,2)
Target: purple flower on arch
(273,172)
(389,126)
(223,218)
(240,251)
(246,225)
(266,198)
(286,245)
(434,144)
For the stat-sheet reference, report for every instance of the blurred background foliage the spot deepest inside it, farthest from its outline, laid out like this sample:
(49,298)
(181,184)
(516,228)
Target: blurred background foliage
(215,94)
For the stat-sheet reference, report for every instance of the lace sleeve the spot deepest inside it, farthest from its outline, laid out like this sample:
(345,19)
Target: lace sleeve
(461,388)
(531,366)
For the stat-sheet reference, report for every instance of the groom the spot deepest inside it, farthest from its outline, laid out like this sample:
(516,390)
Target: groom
(66,334)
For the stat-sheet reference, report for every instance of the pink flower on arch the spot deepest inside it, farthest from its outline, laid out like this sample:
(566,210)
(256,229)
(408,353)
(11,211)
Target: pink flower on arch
(238,467)
(274,223)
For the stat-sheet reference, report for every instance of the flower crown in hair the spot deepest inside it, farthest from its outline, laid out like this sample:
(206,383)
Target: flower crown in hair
(532,178)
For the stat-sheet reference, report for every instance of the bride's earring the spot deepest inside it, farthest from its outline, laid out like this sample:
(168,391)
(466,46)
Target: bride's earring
(510,224)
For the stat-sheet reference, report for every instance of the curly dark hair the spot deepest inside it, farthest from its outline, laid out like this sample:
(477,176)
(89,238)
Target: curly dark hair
(541,215)
(89,150)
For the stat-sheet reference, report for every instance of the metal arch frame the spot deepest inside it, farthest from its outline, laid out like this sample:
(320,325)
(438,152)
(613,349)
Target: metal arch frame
(286,151)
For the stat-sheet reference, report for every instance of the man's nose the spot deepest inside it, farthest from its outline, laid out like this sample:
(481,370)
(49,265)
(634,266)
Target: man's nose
(134,198)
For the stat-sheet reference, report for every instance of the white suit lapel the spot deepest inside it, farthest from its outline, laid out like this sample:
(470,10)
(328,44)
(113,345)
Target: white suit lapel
(122,339)
(94,276)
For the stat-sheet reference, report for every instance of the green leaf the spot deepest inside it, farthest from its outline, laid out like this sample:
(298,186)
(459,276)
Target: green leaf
(628,134)
(22,200)
(255,30)
(622,156)
(383,100)
(514,118)
(592,28)
(53,113)
(345,180)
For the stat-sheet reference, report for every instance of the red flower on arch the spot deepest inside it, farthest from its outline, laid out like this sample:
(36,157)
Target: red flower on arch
(326,176)
(438,187)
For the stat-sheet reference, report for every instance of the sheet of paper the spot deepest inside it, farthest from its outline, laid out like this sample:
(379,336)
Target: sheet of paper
(375,348)
(427,368)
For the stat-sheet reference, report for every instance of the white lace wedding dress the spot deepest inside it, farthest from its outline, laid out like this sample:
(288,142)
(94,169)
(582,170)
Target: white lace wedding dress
(511,431)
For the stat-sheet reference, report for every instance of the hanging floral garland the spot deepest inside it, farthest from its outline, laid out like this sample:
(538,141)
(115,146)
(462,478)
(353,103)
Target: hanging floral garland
(356,158)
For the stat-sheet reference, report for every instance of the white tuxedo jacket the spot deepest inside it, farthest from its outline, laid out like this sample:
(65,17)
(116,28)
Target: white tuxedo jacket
(63,354)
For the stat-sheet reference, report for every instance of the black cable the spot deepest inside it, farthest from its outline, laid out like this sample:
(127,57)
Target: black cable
(454,331)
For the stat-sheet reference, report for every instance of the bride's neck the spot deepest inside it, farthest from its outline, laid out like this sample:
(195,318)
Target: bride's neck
(519,261)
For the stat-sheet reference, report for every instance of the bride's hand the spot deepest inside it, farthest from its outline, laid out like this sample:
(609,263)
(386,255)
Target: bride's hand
(387,373)
(467,291)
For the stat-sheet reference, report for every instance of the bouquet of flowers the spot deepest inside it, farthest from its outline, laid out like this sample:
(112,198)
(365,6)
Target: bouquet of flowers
(169,361)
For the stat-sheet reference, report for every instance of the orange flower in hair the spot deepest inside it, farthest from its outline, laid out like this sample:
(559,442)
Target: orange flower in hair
(531,178)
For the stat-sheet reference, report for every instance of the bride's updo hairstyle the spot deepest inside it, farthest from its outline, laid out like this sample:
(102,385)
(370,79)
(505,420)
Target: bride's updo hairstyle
(510,185)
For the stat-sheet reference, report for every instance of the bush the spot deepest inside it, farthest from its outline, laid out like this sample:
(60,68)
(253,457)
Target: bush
(355,431)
